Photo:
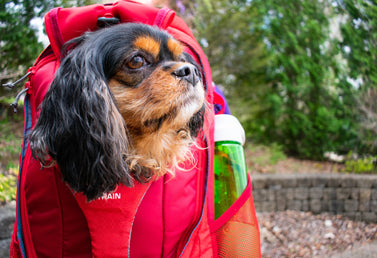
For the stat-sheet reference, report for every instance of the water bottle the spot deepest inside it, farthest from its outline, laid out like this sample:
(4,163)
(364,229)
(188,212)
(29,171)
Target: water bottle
(229,162)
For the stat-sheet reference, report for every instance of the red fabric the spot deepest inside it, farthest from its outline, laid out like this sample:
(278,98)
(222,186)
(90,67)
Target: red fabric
(164,18)
(157,217)
(110,219)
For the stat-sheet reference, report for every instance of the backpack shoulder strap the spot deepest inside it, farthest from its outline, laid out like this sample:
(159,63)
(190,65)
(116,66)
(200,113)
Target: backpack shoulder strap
(110,219)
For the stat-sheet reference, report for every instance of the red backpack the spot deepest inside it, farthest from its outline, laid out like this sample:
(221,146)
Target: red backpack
(169,217)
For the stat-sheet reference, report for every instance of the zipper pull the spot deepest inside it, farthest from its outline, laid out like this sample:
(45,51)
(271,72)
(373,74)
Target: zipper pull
(12,84)
(14,104)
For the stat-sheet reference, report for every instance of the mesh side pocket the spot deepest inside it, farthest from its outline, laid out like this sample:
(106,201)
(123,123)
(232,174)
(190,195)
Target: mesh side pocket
(239,236)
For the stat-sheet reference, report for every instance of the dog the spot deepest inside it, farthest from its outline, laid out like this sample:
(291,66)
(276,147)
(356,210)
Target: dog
(126,104)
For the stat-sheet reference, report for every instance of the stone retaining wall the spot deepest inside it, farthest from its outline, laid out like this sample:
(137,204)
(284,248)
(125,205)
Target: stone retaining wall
(354,196)
(7,217)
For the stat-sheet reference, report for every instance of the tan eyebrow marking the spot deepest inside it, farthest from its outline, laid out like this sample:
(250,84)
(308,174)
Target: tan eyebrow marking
(148,44)
(175,47)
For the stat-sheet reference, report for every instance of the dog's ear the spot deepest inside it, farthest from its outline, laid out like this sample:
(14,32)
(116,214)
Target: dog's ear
(81,129)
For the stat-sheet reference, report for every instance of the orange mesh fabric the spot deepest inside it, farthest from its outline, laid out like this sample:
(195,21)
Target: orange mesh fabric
(239,237)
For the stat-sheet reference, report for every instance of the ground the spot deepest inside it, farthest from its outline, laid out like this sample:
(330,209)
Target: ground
(264,160)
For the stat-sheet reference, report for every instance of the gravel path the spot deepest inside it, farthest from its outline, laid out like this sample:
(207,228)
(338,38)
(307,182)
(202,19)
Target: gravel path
(302,234)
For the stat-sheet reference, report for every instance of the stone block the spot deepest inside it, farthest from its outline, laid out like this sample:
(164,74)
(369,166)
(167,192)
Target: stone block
(319,181)
(304,182)
(271,195)
(4,247)
(373,206)
(290,182)
(347,182)
(351,205)
(358,216)
(275,183)
(301,193)
(259,183)
(281,195)
(350,215)
(369,217)
(355,193)
(373,194)
(316,193)
(365,194)
(336,206)
(343,193)
(294,205)
(281,205)
(286,193)
(325,205)
(305,205)
(365,181)
(7,217)
(269,206)
(260,195)
(329,194)
(290,194)
(364,206)
(315,206)
(333,182)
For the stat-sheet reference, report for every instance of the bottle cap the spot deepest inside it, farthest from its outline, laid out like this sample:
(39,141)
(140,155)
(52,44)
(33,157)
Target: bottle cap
(228,128)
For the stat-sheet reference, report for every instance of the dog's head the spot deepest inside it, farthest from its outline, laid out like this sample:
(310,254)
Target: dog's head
(126,103)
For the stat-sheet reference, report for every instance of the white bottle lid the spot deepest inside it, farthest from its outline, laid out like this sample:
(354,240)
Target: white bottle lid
(228,128)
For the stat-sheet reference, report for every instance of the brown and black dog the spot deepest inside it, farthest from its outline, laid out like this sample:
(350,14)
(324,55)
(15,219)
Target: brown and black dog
(126,103)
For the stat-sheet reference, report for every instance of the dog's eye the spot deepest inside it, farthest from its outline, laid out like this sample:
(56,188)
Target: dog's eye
(136,62)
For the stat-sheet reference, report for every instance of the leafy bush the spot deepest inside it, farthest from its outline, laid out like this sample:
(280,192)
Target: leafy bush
(360,165)
(8,185)
(288,78)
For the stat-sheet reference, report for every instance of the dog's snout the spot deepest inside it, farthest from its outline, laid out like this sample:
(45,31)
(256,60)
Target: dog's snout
(188,72)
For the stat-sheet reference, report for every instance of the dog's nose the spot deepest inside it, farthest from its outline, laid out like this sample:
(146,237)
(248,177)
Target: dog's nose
(188,72)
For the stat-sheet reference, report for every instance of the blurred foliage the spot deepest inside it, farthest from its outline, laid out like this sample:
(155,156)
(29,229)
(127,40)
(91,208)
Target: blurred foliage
(290,69)
(10,147)
(8,185)
(359,48)
(363,165)
(19,42)
(19,45)
(301,74)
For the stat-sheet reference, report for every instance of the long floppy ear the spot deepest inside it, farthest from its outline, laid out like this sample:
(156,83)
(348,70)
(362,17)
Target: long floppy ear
(80,127)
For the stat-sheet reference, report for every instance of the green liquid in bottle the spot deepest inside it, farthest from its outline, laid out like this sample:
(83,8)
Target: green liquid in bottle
(230,174)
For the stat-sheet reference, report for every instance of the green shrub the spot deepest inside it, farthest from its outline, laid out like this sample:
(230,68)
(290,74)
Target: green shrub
(8,185)
(361,165)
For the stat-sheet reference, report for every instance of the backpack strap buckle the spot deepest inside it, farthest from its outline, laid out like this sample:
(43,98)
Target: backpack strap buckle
(104,22)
